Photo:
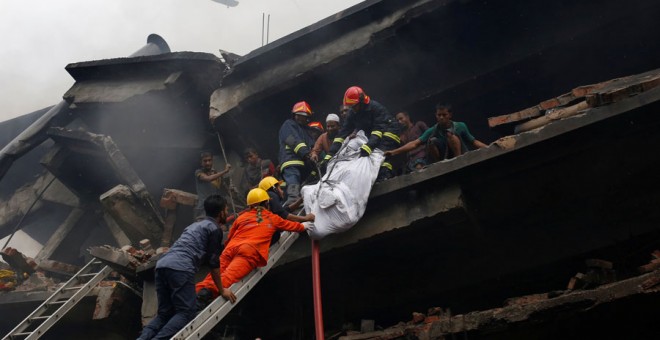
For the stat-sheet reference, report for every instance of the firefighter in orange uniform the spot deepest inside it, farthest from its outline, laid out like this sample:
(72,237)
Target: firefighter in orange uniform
(248,243)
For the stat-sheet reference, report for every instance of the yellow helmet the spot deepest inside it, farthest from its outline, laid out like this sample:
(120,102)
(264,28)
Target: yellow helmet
(257,195)
(268,182)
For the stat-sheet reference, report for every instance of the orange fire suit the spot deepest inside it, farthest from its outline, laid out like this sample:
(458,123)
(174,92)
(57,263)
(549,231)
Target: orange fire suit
(247,246)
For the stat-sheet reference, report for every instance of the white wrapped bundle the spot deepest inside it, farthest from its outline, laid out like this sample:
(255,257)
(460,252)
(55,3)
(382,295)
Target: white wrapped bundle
(340,198)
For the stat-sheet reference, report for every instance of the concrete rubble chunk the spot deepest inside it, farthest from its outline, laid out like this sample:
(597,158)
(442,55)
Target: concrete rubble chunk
(125,260)
(172,197)
(146,246)
(58,267)
(134,215)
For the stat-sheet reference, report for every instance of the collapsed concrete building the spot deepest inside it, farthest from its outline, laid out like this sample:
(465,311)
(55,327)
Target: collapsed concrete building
(516,218)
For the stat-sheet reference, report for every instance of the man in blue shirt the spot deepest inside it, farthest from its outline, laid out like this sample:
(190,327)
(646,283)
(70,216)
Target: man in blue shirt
(199,243)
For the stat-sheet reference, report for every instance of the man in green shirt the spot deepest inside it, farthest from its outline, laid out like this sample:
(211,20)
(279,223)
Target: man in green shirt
(446,139)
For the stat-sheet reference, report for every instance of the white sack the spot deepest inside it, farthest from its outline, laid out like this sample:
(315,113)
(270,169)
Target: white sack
(344,189)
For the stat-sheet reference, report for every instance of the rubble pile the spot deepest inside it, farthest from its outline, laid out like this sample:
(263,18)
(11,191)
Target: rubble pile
(127,259)
(22,273)
(145,254)
(7,280)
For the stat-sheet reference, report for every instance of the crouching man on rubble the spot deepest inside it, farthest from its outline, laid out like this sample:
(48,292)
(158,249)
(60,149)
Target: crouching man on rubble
(247,245)
(175,272)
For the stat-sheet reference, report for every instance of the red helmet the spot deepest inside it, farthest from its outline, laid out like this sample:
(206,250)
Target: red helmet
(302,107)
(316,125)
(355,95)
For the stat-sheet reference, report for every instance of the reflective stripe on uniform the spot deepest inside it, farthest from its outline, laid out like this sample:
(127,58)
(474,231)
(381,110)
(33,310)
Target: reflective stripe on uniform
(327,157)
(301,145)
(377,133)
(393,136)
(387,165)
(290,163)
(338,140)
(366,148)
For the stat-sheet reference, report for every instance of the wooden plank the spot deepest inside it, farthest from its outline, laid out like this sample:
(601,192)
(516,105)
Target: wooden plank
(582,91)
(619,89)
(552,116)
(597,94)
(532,112)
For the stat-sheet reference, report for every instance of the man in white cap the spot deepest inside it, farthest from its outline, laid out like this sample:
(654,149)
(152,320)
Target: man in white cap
(324,141)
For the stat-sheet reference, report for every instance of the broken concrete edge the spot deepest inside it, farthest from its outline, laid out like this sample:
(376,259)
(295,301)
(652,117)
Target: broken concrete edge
(521,140)
(127,261)
(235,94)
(445,204)
(79,69)
(437,326)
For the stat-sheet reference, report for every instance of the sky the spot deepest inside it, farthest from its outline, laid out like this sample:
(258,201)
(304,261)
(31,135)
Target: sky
(40,37)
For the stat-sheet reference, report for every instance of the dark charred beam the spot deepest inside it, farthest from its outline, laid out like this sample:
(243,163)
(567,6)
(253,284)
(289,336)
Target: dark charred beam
(530,312)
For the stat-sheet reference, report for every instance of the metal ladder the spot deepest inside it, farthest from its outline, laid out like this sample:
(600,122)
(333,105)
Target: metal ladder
(219,308)
(58,304)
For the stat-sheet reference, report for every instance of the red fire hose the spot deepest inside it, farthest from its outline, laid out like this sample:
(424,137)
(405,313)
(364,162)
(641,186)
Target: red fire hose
(316,283)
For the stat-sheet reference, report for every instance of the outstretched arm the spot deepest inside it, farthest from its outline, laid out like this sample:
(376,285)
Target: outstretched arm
(405,148)
(208,178)
(478,144)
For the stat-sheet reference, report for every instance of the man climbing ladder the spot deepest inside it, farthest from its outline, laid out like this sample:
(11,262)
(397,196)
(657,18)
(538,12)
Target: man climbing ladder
(248,242)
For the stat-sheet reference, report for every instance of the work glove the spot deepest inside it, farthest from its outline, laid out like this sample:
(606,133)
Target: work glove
(309,161)
(364,153)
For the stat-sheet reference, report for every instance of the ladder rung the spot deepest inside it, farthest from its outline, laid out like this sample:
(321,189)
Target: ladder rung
(88,275)
(43,317)
(58,303)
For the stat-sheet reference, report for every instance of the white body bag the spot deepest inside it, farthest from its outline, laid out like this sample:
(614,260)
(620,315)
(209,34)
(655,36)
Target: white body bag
(339,199)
